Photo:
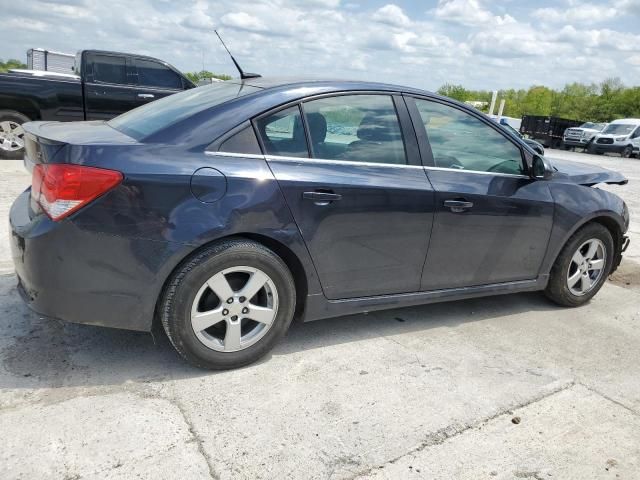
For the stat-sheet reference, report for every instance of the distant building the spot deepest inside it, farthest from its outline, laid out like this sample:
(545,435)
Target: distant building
(477,104)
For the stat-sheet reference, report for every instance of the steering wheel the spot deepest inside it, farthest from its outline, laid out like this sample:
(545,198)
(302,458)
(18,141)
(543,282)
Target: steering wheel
(447,161)
(507,166)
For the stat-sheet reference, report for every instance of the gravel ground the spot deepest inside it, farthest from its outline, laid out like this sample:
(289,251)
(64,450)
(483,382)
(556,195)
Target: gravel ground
(506,387)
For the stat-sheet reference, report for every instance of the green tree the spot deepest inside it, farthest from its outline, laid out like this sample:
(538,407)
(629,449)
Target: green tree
(11,63)
(457,92)
(195,77)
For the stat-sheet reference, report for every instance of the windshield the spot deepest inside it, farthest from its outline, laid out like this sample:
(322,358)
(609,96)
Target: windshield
(511,129)
(619,129)
(593,126)
(144,121)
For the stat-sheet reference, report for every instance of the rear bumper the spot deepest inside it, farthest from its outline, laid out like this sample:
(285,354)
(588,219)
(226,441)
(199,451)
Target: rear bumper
(82,276)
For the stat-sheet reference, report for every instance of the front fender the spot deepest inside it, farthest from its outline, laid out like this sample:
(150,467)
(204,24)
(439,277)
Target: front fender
(575,206)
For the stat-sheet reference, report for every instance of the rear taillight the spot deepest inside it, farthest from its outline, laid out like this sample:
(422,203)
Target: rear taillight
(61,189)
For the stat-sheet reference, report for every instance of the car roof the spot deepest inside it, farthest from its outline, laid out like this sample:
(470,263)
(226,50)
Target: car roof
(279,83)
(627,121)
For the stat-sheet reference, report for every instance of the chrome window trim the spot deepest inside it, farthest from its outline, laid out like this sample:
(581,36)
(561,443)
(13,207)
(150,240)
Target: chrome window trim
(354,163)
(325,161)
(232,154)
(514,175)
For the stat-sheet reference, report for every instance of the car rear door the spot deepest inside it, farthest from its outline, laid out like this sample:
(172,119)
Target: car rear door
(108,89)
(154,80)
(348,166)
(492,222)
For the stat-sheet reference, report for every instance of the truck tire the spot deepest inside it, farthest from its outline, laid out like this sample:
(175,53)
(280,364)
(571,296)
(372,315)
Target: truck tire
(627,152)
(12,134)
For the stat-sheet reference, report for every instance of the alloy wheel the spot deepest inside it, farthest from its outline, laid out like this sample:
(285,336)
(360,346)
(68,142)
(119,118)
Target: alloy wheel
(11,136)
(234,309)
(586,267)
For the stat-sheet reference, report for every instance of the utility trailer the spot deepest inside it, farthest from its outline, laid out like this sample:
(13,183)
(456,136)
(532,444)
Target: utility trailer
(546,130)
(50,61)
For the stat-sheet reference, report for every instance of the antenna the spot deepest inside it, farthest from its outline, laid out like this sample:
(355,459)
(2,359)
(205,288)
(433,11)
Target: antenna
(243,75)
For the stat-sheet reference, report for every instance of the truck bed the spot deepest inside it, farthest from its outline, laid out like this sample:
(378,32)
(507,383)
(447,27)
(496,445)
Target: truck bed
(41,97)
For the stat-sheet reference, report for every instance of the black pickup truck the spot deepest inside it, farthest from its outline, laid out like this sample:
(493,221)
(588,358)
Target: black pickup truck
(105,84)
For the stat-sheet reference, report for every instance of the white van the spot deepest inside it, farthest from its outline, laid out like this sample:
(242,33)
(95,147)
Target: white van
(620,136)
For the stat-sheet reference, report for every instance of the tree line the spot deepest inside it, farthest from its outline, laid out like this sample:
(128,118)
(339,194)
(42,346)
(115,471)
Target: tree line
(11,63)
(601,102)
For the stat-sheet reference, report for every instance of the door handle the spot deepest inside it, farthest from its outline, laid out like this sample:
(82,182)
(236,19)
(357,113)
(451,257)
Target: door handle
(458,206)
(146,95)
(322,198)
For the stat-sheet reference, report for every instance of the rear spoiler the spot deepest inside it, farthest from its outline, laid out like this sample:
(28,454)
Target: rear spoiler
(38,148)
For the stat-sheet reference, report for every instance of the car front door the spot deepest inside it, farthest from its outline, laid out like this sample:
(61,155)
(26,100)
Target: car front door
(492,222)
(349,169)
(107,88)
(154,80)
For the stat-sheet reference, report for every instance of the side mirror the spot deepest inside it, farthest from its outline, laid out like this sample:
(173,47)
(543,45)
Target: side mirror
(540,169)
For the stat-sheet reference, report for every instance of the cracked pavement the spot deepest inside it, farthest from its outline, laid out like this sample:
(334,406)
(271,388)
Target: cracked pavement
(509,387)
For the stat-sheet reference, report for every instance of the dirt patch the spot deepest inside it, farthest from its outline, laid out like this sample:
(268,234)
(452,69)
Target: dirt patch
(627,275)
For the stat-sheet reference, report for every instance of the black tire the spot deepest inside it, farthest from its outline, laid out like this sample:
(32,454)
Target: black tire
(191,275)
(19,118)
(557,289)
(627,152)
(587,147)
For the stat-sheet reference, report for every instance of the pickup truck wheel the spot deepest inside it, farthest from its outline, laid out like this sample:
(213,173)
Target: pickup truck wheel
(582,266)
(12,134)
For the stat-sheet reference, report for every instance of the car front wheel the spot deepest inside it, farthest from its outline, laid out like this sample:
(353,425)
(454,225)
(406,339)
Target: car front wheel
(582,266)
(228,305)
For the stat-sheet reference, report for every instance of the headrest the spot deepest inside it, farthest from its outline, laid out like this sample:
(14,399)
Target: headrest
(378,128)
(317,126)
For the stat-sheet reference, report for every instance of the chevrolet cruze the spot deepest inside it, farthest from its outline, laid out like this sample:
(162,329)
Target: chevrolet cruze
(226,211)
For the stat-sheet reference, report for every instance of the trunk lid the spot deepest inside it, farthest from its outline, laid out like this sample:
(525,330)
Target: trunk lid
(44,140)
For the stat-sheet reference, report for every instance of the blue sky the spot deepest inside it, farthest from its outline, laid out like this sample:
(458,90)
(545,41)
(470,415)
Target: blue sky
(478,43)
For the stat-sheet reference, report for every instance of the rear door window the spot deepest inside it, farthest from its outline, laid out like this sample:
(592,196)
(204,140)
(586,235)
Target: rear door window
(109,69)
(282,133)
(155,74)
(359,128)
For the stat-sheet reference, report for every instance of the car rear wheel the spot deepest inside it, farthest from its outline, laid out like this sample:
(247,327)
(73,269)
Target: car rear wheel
(582,266)
(11,134)
(229,305)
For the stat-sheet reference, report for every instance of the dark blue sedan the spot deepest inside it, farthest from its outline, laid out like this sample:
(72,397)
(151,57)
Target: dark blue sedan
(226,211)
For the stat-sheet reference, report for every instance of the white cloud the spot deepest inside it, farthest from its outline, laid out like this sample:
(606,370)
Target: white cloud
(468,12)
(478,43)
(583,13)
(392,15)
(243,21)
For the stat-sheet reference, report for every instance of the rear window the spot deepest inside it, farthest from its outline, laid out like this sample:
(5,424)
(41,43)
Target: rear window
(144,121)
(109,69)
